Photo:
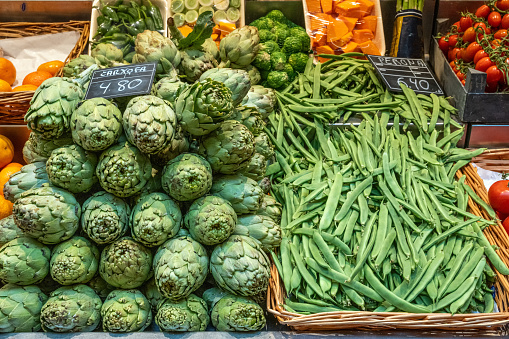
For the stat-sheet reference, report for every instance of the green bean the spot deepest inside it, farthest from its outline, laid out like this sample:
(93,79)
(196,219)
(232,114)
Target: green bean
(286,264)
(465,271)
(393,185)
(386,246)
(308,308)
(428,275)
(452,297)
(489,303)
(468,156)
(457,166)
(363,256)
(481,202)
(495,260)
(316,254)
(438,205)
(442,142)
(466,296)
(399,231)
(395,206)
(350,225)
(450,231)
(352,197)
(383,226)
(304,272)
(332,202)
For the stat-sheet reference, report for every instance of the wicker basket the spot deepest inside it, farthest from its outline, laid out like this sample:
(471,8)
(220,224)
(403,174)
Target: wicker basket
(13,105)
(487,322)
(494,160)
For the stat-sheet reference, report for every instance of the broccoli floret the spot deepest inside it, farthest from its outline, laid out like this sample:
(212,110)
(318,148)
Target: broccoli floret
(262,61)
(292,45)
(281,32)
(298,61)
(288,69)
(269,47)
(256,23)
(266,35)
(297,30)
(278,79)
(301,33)
(278,61)
(264,23)
(277,16)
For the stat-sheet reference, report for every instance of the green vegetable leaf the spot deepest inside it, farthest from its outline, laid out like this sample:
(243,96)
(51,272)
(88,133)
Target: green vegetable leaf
(201,32)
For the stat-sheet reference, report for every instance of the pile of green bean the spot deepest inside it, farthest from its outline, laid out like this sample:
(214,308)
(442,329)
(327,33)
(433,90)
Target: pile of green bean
(373,217)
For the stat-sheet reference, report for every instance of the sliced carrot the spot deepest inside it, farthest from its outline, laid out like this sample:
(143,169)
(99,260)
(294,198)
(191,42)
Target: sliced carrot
(368,22)
(362,35)
(350,47)
(369,47)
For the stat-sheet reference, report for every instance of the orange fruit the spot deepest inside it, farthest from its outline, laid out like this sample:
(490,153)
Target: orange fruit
(14,164)
(51,66)
(36,78)
(5,208)
(5,174)
(7,71)
(4,86)
(6,151)
(24,88)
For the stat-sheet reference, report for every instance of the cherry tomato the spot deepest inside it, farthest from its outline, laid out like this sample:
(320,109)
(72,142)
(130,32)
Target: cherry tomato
(453,66)
(494,19)
(505,21)
(483,11)
(498,195)
(494,74)
(483,64)
(443,45)
(502,5)
(454,53)
(500,34)
(466,22)
(458,26)
(483,26)
(460,75)
(453,39)
(463,82)
(506,225)
(470,51)
(495,43)
(469,35)
(479,55)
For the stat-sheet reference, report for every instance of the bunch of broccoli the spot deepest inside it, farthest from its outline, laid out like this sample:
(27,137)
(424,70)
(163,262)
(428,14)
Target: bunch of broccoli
(284,49)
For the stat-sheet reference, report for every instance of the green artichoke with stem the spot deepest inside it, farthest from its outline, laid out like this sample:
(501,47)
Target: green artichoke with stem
(178,145)
(242,192)
(149,123)
(74,261)
(105,217)
(78,65)
(169,88)
(187,177)
(152,46)
(237,80)
(229,148)
(125,263)
(202,106)
(38,205)
(264,146)
(123,170)
(188,315)
(9,230)
(262,228)
(270,208)
(240,266)
(194,63)
(30,176)
(210,220)
(239,48)
(20,308)
(256,167)
(126,311)
(180,267)
(72,168)
(100,286)
(24,261)
(261,98)
(39,149)
(75,308)
(153,295)
(107,55)
(250,118)
(96,124)
(154,219)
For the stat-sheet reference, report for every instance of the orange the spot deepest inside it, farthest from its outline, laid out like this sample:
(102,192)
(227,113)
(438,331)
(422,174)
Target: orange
(4,86)
(7,71)
(5,208)
(14,164)
(5,174)
(24,88)
(6,151)
(51,66)
(36,78)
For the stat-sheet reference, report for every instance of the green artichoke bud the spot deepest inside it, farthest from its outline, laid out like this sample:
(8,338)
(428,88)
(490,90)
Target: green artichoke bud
(210,46)
(237,314)
(20,308)
(239,48)
(24,261)
(261,98)
(180,267)
(155,219)
(265,184)
(96,124)
(194,63)
(264,146)
(237,80)
(49,214)
(270,208)
(73,168)
(169,88)
(123,170)
(210,220)
(125,263)
(38,149)
(229,148)
(74,308)
(107,55)
(30,176)
(105,217)
(149,123)
(187,177)
(126,311)
(152,46)
(9,230)
(100,287)
(262,228)
(153,295)
(187,315)
(240,266)
(242,192)
(262,61)
(254,74)
(201,107)
(178,145)
(78,65)
(250,118)
(74,261)
(256,168)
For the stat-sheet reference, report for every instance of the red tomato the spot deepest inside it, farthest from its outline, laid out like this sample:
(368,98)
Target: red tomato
(455,53)
(483,26)
(463,82)
(458,26)
(479,55)
(502,5)
(501,216)
(470,51)
(453,39)
(498,195)
(505,21)
(494,19)
(460,75)
(494,74)
(483,64)
(483,11)
(500,34)
(495,43)
(466,22)
(506,225)
(443,44)
(469,35)
(453,66)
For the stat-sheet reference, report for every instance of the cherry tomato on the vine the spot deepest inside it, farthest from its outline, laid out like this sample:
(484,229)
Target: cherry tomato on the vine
(483,64)
(460,75)
(470,51)
(479,55)
(505,21)
(495,43)
(453,66)
(494,19)
(443,45)
(494,74)
(500,34)
(454,53)
(466,22)
(453,40)
(502,5)
(483,11)
(458,26)
(482,25)
(463,82)
(469,35)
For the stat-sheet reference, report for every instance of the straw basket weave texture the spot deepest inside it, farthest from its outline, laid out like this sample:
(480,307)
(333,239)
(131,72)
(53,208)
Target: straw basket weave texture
(13,105)
(344,320)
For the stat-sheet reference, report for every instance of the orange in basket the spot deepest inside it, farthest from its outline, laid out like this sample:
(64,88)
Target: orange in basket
(4,86)
(6,151)
(23,88)
(36,78)
(51,66)
(7,71)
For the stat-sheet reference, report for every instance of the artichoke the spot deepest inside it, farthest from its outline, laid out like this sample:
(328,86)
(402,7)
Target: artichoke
(242,192)
(96,124)
(187,315)
(169,88)
(8,230)
(262,228)
(39,149)
(194,63)
(153,185)
(123,170)
(237,80)
(20,308)
(264,146)
(210,46)
(180,267)
(24,261)
(238,49)
(49,214)
(100,287)
(155,219)
(261,98)
(270,208)
(201,107)
(187,177)
(74,308)
(229,148)
(107,55)
(237,314)
(78,65)
(149,123)
(250,118)
(240,266)
(178,145)
(74,261)
(126,311)
(254,74)
(125,263)
(256,168)
(210,220)
(30,176)
(105,217)
(73,168)
(152,46)
(153,295)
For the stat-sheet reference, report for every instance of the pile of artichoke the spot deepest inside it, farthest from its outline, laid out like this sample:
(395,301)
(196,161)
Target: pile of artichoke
(152,214)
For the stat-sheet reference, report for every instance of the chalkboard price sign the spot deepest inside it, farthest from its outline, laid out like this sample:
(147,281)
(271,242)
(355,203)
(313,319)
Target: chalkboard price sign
(414,73)
(122,81)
